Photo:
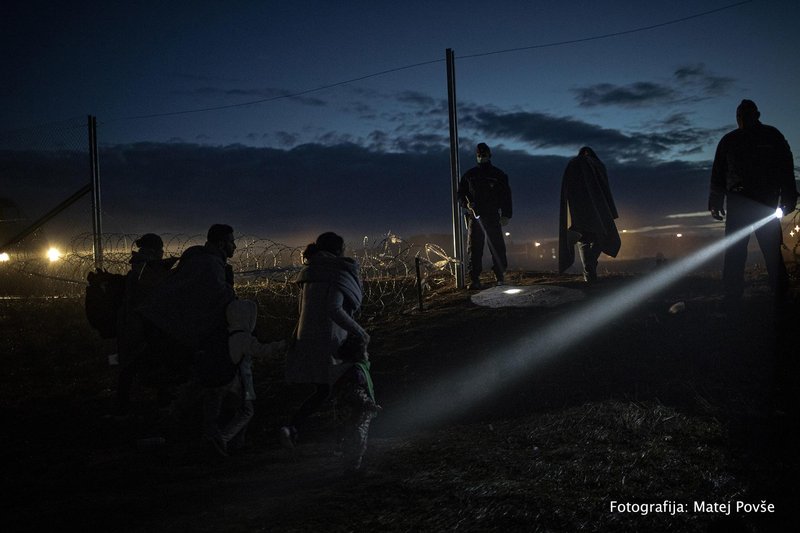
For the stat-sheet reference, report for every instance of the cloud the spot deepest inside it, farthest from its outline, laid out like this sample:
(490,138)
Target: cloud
(292,194)
(659,141)
(637,94)
(692,83)
(711,85)
(541,130)
(417,98)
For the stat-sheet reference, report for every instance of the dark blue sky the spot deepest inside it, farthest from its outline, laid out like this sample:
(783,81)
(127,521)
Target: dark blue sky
(207,88)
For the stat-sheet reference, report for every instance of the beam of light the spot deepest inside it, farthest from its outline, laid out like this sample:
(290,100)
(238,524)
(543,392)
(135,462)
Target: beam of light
(4,257)
(53,254)
(512,291)
(696,214)
(646,229)
(466,387)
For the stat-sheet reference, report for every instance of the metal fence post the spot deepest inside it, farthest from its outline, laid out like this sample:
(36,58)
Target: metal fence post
(97,221)
(455,174)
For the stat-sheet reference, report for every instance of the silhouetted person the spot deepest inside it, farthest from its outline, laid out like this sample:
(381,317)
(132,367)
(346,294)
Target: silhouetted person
(330,293)
(148,270)
(190,326)
(753,173)
(243,346)
(587,214)
(485,192)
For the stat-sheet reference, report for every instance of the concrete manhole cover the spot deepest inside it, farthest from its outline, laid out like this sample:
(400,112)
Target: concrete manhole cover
(526,296)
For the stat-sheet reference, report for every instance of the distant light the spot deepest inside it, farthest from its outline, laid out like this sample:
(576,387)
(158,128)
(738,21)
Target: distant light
(679,235)
(624,231)
(512,291)
(779,213)
(53,254)
(537,244)
(508,234)
(4,257)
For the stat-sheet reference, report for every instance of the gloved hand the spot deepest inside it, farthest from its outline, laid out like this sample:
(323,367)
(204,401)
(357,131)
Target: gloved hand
(787,209)
(718,214)
(504,221)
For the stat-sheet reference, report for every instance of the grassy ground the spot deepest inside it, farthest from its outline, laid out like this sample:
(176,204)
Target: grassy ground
(652,408)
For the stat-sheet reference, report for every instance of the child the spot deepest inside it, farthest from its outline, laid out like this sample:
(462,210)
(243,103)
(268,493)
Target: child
(243,346)
(354,397)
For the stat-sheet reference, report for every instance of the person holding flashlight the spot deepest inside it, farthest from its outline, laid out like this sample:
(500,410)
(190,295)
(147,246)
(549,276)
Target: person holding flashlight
(753,173)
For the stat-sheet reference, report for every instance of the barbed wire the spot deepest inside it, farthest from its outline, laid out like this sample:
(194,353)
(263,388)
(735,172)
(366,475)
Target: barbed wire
(263,269)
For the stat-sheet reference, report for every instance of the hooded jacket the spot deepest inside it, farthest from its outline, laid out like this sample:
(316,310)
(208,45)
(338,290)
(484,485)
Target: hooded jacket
(330,294)
(586,208)
(242,316)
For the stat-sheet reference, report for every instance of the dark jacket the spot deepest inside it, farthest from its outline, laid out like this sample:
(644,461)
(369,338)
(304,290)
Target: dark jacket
(587,208)
(486,187)
(755,161)
(190,303)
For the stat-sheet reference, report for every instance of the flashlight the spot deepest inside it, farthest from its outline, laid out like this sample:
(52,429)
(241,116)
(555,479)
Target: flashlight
(779,213)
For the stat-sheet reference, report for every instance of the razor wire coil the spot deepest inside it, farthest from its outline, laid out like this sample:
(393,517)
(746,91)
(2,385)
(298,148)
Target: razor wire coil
(264,269)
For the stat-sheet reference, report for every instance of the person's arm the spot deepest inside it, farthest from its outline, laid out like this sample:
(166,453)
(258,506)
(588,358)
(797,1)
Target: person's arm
(788,198)
(719,171)
(463,191)
(340,317)
(505,197)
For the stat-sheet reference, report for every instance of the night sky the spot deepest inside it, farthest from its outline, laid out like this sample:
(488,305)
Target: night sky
(287,119)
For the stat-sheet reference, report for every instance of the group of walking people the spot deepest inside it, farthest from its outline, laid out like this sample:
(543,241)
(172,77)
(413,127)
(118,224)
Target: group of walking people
(187,320)
(186,325)
(752,175)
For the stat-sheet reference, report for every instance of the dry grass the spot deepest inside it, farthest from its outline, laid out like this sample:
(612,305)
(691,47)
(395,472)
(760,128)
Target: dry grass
(660,408)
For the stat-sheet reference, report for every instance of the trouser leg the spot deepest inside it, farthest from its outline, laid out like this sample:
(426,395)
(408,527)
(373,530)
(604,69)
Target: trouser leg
(497,247)
(212,406)
(357,432)
(589,254)
(769,240)
(736,252)
(475,242)
(311,404)
(238,425)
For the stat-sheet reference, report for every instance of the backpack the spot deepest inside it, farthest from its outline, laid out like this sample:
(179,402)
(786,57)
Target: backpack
(104,296)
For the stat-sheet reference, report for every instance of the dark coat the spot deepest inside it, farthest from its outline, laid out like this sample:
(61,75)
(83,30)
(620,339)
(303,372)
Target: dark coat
(755,161)
(486,187)
(189,305)
(587,208)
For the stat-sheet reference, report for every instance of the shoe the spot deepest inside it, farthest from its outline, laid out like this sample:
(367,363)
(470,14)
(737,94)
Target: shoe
(500,283)
(475,286)
(287,436)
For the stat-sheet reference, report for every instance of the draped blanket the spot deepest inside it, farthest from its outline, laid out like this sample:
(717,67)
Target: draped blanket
(587,209)
(341,272)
